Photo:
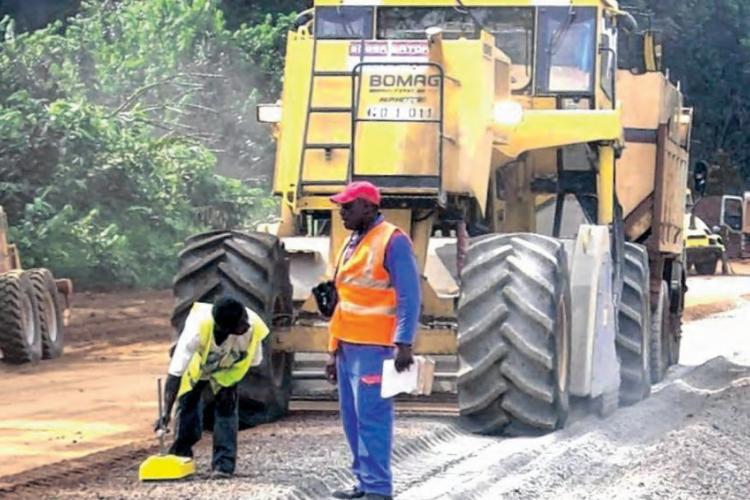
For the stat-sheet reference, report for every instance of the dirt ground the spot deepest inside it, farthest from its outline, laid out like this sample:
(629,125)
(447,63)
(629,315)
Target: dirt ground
(93,410)
(100,394)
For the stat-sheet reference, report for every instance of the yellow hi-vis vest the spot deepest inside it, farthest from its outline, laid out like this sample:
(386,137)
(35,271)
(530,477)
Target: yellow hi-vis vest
(231,369)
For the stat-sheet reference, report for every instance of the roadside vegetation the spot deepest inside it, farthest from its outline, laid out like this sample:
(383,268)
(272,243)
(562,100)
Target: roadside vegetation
(114,124)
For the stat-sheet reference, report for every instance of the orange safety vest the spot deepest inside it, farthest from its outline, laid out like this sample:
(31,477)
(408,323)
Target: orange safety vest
(366,309)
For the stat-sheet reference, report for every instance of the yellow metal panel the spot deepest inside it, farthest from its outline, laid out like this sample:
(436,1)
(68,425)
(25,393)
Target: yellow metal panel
(315,339)
(606,184)
(317,202)
(635,175)
(330,127)
(326,166)
(642,97)
(294,107)
(396,149)
(638,222)
(542,129)
(479,76)
(400,218)
(420,237)
(671,179)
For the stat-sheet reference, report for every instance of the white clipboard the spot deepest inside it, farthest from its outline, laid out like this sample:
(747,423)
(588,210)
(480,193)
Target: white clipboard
(415,380)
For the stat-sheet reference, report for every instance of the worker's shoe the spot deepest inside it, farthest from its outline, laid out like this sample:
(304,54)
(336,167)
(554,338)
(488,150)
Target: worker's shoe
(220,474)
(352,492)
(375,496)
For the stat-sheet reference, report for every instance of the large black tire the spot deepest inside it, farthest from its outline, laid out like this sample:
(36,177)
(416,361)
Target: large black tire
(660,335)
(634,327)
(514,335)
(253,268)
(50,312)
(706,267)
(20,336)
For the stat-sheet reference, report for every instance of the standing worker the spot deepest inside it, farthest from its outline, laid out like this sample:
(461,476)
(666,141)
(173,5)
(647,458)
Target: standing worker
(377,305)
(217,346)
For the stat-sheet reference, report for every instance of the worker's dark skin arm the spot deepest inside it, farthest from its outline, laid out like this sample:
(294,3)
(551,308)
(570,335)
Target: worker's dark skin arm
(331,374)
(402,267)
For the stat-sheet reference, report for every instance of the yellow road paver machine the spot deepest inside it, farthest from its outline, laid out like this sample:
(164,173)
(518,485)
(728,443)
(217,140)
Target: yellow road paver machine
(536,154)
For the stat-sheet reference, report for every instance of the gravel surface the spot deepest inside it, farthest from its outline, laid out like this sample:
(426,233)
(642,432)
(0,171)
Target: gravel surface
(690,439)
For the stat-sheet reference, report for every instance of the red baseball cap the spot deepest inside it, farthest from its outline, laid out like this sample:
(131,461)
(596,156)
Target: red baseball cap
(358,190)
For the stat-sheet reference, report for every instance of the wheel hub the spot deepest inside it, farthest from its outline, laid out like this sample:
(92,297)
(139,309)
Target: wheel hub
(51,315)
(27,319)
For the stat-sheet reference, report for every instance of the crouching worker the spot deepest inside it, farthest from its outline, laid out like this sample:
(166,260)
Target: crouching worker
(217,346)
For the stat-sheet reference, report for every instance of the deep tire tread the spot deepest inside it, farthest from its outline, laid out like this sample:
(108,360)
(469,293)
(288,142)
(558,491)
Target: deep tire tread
(253,268)
(507,314)
(658,348)
(633,332)
(14,287)
(43,283)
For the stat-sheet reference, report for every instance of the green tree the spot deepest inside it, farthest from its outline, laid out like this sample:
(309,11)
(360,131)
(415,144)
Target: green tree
(111,129)
(239,12)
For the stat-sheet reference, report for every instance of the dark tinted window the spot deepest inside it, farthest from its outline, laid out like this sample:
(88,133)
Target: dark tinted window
(566,49)
(410,23)
(343,23)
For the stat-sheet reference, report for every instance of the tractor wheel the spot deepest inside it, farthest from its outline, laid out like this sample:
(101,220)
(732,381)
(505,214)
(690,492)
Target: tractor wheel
(251,267)
(660,333)
(50,312)
(706,267)
(514,335)
(634,327)
(20,336)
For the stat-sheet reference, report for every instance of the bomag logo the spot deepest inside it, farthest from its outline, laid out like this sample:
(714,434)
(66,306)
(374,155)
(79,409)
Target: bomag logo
(404,81)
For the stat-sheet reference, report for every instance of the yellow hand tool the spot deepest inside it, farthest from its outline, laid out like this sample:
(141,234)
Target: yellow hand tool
(165,467)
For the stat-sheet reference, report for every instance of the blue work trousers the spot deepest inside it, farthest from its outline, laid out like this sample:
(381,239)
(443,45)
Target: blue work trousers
(367,418)
(226,422)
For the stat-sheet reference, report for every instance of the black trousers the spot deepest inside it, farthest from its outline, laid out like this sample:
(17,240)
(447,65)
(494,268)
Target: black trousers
(226,422)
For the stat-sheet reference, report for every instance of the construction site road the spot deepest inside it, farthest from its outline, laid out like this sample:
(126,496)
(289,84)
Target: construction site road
(94,407)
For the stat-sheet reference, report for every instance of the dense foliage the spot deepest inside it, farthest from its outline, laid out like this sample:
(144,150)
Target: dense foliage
(112,128)
(707,49)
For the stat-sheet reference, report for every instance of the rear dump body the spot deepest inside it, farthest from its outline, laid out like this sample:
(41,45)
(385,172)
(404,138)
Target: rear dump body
(511,149)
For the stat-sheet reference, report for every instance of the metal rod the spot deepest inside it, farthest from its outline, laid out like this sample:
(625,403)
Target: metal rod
(158,395)
(160,432)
